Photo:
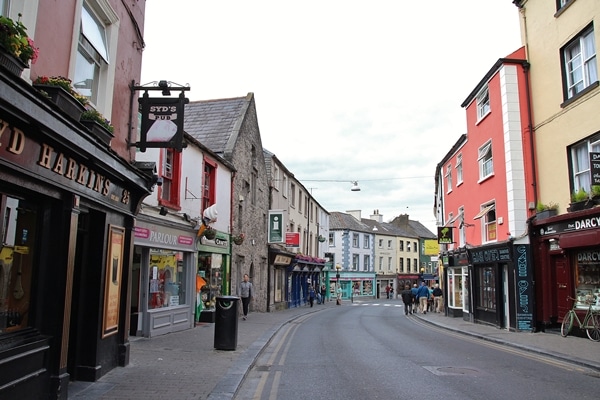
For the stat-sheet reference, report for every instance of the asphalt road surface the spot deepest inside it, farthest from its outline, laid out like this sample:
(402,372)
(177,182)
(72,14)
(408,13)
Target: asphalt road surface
(371,350)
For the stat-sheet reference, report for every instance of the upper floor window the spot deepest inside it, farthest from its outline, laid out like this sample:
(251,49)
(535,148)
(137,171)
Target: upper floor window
(4,5)
(407,245)
(355,240)
(92,55)
(580,162)
(209,184)
(380,243)
(459,169)
(389,244)
(355,262)
(367,262)
(293,195)
(331,239)
(401,264)
(366,241)
(284,186)
(485,160)
(449,177)
(408,264)
(171,174)
(488,225)
(300,201)
(389,263)
(562,3)
(415,247)
(483,103)
(401,245)
(276,179)
(580,66)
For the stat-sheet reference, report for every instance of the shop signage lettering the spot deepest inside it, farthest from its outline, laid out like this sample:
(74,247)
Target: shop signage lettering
(153,236)
(491,255)
(524,288)
(20,150)
(588,257)
(571,226)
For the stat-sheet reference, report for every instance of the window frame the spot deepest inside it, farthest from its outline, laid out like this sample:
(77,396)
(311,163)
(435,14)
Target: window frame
(485,163)
(171,183)
(448,177)
(587,63)
(482,101)
(459,169)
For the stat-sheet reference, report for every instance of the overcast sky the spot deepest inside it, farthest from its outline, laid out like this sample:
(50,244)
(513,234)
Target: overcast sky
(366,91)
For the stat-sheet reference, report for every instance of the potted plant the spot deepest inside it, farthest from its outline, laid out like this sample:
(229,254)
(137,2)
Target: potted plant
(210,233)
(580,200)
(16,47)
(238,239)
(595,192)
(60,91)
(98,125)
(546,210)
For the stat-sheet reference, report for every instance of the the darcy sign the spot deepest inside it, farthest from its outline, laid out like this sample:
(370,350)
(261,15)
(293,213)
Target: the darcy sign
(162,122)
(55,165)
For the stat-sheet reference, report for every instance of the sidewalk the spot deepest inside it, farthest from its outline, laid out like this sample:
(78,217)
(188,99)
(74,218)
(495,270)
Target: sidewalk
(185,365)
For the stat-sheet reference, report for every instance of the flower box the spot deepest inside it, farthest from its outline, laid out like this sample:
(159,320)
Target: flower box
(12,64)
(99,131)
(63,99)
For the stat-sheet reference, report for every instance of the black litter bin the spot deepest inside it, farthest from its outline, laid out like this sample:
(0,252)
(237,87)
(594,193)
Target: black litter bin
(226,322)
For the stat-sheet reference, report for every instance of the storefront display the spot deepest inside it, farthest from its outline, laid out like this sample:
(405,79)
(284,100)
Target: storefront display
(588,279)
(209,267)
(166,279)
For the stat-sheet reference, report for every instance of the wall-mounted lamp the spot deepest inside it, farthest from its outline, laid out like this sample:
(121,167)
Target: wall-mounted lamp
(164,85)
(355,187)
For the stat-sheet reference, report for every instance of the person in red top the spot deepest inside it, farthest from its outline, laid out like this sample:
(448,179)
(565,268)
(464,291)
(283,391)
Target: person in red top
(387,291)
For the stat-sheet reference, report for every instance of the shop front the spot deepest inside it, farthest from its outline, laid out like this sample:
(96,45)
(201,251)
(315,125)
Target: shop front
(354,284)
(303,272)
(162,285)
(457,288)
(67,206)
(567,267)
(279,260)
(214,273)
(502,284)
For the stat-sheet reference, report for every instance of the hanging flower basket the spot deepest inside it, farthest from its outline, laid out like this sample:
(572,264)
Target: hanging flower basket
(210,233)
(239,239)
(321,238)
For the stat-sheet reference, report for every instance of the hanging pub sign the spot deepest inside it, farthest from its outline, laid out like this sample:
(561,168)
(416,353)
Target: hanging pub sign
(162,122)
(445,234)
(595,168)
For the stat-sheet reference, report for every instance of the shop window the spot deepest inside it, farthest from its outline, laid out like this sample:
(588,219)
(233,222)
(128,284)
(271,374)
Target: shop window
(166,279)
(19,222)
(455,288)
(210,269)
(486,280)
(587,279)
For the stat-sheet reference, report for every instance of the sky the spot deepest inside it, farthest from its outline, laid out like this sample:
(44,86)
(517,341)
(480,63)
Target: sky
(345,90)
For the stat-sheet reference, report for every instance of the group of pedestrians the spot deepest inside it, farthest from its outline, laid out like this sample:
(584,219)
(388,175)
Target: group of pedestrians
(319,295)
(418,299)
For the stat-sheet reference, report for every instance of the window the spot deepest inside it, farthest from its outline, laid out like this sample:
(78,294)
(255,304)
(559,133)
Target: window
(167,282)
(367,262)
(486,164)
(449,178)
(331,239)
(292,195)
(276,179)
(389,244)
(459,170)
(355,240)
(487,287)
(209,184)
(580,162)
(92,55)
(488,225)
(407,245)
(171,174)
(401,245)
(300,201)
(408,264)
(415,247)
(4,6)
(389,263)
(401,264)
(415,262)
(380,243)
(561,3)
(355,262)
(366,241)
(284,186)
(580,67)
(483,103)
(380,263)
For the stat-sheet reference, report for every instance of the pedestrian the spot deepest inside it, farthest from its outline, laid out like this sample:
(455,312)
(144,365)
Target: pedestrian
(438,298)
(407,298)
(246,295)
(391,292)
(311,295)
(338,293)
(323,294)
(414,298)
(422,297)
(387,291)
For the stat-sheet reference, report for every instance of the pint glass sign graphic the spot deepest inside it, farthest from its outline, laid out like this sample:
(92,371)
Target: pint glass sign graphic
(276,227)
(162,122)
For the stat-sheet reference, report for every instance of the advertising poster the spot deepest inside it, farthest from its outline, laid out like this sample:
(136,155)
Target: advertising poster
(112,288)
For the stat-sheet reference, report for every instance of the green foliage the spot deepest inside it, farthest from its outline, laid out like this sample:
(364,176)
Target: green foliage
(579,195)
(14,39)
(543,207)
(92,115)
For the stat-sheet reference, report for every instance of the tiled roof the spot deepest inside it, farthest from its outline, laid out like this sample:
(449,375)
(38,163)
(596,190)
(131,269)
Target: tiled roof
(339,220)
(215,123)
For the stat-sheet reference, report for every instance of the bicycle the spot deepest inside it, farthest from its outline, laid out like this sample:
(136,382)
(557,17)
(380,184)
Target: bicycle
(591,322)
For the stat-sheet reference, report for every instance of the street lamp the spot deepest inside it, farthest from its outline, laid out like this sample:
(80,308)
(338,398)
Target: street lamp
(338,293)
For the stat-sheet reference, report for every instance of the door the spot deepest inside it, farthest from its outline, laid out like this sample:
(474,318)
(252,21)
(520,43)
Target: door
(563,286)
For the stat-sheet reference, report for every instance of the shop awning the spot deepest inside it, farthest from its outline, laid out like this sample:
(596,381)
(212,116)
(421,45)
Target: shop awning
(484,211)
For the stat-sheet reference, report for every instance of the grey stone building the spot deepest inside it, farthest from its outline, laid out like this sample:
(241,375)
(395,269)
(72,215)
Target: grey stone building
(229,127)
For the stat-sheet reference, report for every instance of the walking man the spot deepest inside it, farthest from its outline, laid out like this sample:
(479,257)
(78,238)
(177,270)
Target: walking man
(438,299)
(423,297)
(407,298)
(246,294)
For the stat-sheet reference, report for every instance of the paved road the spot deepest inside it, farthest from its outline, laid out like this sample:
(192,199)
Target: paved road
(185,365)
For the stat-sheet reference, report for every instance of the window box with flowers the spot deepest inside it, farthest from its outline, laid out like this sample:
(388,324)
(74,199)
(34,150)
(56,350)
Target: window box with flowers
(238,239)
(59,90)
(97,125)
(210,233)
(16,48)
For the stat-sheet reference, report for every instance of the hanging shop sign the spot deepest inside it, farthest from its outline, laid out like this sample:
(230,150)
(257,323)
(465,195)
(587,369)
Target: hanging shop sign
(595,168)
(158,236)
(292,239)
(525,294)
(445,235)
(162,122)
(275,231)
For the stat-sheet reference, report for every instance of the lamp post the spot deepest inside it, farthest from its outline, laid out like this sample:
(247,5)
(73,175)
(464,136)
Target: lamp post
(338,293)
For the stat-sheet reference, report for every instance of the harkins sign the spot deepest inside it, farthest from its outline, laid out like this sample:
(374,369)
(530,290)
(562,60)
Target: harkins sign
(58,166)
(571,226)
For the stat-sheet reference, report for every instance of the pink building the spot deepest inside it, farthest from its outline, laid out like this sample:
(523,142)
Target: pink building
(485,195)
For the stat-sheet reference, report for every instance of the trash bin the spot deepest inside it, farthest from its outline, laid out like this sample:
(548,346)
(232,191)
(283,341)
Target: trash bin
(226,322)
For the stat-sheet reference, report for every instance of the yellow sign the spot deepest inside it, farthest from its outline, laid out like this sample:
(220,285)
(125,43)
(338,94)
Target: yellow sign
(432,248)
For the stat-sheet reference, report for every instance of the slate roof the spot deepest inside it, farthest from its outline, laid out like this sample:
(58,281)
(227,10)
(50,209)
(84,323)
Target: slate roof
(421,230)
(216,123)
(339,220)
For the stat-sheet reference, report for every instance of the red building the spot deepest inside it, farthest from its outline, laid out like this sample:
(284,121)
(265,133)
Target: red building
(484,196)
